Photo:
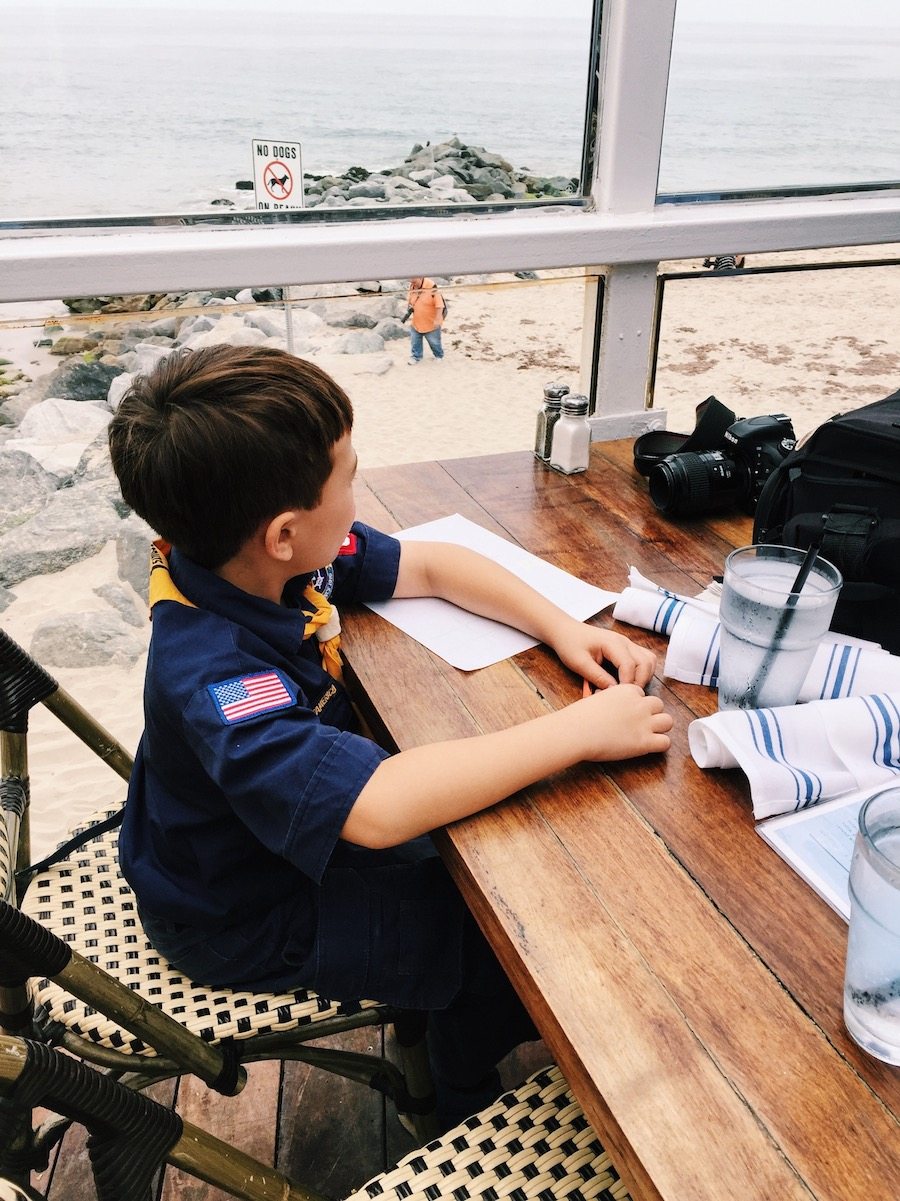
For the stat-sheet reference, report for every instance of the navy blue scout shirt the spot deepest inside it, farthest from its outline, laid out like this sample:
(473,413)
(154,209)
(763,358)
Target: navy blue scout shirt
(248,765)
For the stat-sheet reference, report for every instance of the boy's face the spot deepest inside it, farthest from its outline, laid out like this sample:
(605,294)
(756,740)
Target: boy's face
(325,527)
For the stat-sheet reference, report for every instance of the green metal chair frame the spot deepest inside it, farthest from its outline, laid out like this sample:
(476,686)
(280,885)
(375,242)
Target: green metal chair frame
(532,1144)
(30,951)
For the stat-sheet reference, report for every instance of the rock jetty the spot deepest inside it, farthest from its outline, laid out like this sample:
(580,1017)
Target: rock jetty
(448,173)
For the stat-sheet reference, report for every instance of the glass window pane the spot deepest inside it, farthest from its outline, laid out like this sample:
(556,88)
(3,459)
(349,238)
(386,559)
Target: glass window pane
(67,554)
(502,339)
(808,342)
(765,95)
(110,107)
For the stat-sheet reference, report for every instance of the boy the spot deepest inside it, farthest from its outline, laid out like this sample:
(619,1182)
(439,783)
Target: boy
(425,305)
(269,845)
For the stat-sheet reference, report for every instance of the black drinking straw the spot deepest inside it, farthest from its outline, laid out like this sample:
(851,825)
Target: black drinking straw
(784,620)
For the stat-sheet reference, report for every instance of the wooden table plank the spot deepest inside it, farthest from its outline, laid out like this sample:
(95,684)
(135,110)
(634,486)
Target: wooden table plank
(636,1070)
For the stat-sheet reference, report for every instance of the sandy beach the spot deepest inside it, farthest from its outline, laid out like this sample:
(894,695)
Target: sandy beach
(808,344)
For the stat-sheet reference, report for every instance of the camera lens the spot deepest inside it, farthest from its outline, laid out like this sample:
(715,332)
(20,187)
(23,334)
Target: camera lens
(687,484)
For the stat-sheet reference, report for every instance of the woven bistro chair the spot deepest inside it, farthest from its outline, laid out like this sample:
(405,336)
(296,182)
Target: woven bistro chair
(533,1144)
(77,970)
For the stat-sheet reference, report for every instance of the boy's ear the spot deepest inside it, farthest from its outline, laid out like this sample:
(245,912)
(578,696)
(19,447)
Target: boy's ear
(279,535)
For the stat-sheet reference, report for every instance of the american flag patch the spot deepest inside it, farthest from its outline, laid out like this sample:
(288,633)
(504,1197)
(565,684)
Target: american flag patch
(248,696)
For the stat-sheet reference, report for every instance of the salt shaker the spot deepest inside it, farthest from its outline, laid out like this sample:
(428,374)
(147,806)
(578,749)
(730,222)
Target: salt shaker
(547,417)
(570,449)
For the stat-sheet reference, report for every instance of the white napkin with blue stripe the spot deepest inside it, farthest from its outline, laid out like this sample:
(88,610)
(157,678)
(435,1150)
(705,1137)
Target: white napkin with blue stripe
(800,754)
(843,666)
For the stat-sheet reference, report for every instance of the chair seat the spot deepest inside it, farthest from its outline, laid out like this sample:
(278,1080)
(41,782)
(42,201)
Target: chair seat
(86,901)
(534,1142)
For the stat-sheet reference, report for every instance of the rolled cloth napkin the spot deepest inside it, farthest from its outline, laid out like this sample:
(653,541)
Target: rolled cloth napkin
(843,666)
(800,754)
(645,604)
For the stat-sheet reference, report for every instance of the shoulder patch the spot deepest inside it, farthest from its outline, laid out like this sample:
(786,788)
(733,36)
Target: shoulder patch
(348,546)
(323,580)
(248,696)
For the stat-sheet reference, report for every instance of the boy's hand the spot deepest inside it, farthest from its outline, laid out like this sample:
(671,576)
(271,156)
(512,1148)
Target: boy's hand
(621,723)
(583,648)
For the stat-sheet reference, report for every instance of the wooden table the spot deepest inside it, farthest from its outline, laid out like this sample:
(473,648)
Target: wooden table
(686,980)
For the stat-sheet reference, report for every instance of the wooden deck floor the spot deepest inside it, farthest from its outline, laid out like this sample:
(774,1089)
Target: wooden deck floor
(330,1134)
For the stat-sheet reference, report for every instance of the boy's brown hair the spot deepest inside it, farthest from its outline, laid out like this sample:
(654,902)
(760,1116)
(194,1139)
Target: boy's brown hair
(212,442)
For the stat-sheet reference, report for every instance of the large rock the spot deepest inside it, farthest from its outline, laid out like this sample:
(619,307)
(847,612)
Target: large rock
(359,342)
(86,640)
(308,327)
(57,432)
(352,320)
(231,329)
(25,487)
(273,326)
(74,524)
(124,602)
(114,304)
(77,380)
(71,344)
(390,329)
(133,540)
(388,306)
(143,357)
(117,390)
(95,468)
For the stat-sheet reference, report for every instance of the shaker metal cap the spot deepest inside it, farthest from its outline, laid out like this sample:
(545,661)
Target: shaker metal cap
(555,392)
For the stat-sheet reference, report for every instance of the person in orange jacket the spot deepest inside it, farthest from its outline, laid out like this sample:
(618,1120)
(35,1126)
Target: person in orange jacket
(427,309)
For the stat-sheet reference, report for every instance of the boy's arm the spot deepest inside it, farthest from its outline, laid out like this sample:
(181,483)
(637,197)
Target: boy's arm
(430,786)
(473,582)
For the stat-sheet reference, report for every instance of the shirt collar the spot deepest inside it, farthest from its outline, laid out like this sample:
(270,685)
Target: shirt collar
(280,626)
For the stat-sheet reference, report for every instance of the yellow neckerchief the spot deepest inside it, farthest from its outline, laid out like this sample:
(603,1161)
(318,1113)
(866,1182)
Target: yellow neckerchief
(324,623)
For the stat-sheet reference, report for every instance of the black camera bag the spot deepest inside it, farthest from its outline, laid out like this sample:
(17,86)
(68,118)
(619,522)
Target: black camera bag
(841,490)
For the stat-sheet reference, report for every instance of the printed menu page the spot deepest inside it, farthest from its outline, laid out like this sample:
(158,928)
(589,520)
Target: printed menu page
(818,844)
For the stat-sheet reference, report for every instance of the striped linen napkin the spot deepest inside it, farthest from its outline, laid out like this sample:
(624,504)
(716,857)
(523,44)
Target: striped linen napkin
(843,666)
(800,754)
(645,604)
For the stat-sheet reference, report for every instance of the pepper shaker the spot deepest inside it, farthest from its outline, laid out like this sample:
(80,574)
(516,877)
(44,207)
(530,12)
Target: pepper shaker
(547,417)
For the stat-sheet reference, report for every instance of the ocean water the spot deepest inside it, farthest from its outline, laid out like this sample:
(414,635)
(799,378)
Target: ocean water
(781,106)
(125,109)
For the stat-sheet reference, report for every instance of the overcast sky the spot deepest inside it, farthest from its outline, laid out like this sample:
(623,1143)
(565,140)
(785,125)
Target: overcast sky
(785,12)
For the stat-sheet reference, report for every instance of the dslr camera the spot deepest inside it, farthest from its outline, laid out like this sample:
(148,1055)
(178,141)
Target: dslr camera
(688,484)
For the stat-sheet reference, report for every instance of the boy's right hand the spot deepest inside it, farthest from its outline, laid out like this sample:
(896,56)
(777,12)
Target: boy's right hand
(622,722)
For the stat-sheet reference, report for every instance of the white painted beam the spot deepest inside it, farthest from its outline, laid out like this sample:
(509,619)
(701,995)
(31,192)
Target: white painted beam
(636,47)
(172,259)
(627,326)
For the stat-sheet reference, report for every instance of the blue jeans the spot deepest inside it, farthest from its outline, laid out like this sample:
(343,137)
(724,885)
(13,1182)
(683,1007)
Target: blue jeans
(433,339)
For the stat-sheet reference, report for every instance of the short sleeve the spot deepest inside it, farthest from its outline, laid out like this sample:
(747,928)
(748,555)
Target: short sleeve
(366,566)
(290,779)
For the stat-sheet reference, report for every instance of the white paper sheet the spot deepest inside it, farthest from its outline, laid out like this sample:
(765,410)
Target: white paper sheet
(464,639)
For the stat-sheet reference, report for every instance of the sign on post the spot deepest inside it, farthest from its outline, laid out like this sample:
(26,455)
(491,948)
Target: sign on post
(277,174)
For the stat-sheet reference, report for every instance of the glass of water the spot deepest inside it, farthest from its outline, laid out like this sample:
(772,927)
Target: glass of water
(872,982)
(770,634)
